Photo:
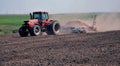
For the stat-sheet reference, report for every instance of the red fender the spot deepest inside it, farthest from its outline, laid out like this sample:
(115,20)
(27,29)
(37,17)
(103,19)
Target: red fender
(31,22)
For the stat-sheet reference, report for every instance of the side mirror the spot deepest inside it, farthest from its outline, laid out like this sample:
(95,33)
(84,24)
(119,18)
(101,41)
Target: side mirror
(31,16)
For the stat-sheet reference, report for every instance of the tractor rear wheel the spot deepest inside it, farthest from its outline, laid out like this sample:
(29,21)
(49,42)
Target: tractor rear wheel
(23,32)
(35,31)
(53,28)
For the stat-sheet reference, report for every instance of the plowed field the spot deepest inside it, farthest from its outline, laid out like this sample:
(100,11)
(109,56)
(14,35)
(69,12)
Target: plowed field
(95,49)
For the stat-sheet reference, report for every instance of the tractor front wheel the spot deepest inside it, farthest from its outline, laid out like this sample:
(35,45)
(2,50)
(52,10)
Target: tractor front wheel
(23,32)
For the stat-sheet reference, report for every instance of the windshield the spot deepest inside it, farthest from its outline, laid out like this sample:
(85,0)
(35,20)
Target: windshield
(37,16)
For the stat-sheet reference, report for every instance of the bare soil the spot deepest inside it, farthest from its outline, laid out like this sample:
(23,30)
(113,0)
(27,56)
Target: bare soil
(96,49)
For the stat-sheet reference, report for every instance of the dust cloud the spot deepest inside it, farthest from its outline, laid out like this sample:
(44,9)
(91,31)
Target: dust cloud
(104,22)
(67,28)
(108,22)
(80,24)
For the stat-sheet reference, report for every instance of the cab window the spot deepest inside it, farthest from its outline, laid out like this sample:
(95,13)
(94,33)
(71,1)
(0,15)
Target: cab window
(43,16)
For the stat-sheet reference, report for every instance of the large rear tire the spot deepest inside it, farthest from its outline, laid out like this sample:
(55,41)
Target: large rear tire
(35,31)
(53,28)
(23,32)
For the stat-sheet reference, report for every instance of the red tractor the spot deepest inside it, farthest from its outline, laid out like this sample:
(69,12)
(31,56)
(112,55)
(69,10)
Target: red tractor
(39,22)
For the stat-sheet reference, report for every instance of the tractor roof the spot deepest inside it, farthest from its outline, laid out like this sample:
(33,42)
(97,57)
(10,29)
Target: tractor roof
(41,12)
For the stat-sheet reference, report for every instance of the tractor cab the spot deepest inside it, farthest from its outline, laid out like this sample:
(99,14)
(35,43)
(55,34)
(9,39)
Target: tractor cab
(39,15)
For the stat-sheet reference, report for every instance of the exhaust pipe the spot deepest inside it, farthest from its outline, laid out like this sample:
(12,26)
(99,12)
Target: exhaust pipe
(31,16)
